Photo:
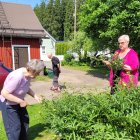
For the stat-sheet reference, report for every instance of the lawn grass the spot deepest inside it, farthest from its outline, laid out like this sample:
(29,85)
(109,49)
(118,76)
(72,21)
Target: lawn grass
(2,131)
(99,71)
(37,130)
(42,78)
(91,70)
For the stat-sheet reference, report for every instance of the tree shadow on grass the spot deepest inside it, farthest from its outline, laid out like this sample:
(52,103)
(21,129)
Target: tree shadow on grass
(35,131)
(101,72)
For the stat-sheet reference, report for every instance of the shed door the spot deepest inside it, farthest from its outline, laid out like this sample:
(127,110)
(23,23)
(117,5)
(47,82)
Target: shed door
(20,56)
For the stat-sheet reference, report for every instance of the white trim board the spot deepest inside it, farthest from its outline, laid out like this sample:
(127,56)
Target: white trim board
(23,46)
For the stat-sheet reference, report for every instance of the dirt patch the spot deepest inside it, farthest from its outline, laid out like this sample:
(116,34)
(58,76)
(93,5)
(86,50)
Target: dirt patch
(71,81)
(80,78)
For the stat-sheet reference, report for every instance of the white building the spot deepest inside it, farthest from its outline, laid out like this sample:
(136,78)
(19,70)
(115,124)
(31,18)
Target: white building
(47,46)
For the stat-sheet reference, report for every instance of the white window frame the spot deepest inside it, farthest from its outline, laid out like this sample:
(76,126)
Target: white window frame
(23,46)
(43,50)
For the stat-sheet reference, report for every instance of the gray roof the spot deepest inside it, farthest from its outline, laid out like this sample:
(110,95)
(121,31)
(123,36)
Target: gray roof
(19,20)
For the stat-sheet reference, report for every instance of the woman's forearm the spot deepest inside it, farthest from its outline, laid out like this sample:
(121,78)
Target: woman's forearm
(31,93)
(10,97)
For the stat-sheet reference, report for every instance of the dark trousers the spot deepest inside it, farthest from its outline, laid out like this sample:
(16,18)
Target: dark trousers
(0,105)
(55,80)
(16,122)
(4,116)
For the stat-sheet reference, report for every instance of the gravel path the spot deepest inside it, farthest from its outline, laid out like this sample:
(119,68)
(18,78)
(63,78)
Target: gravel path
(71,81)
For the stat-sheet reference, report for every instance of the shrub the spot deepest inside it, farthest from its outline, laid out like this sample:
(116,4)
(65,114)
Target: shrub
(95,117)
(68,57)
(63,63)
(62,48)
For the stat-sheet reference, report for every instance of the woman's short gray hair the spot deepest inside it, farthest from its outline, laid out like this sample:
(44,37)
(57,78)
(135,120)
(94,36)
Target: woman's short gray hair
(126,37)
(35,65)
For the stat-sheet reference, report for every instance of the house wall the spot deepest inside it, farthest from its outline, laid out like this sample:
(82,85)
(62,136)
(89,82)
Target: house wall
(47,47)
(6,51)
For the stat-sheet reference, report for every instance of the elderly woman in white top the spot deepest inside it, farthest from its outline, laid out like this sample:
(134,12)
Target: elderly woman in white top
(16,86)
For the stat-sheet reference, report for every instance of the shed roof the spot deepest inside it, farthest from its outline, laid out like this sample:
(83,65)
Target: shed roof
(19,20)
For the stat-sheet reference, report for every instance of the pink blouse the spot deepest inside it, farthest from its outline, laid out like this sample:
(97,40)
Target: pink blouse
(132,60)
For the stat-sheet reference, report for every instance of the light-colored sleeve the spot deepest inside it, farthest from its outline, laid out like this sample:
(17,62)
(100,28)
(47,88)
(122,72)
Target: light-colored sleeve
(11,83)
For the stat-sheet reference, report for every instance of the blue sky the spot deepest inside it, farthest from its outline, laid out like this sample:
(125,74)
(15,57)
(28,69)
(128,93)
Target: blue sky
(33,3)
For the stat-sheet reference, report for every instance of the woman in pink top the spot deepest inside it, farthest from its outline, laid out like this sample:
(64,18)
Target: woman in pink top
(129,72)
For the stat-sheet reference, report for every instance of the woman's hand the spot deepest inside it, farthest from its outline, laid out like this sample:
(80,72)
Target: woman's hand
(38,99)
(127,68)
(107,63)
(31,93)
(23,103)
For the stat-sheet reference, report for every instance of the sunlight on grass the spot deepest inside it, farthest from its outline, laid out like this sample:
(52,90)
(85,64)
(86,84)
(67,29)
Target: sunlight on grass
(88,69)
(37,130)
(47,136)
(42,78)
(2,131)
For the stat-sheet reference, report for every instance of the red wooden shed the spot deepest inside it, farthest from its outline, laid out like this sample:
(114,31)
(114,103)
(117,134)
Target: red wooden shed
(20,34)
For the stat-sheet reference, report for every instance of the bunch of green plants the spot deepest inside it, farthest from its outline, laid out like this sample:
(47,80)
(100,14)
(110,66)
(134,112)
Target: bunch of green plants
(117,64)
(102,116)
(101,58)
(98,60)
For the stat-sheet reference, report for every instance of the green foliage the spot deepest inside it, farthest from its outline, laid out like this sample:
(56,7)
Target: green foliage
(50,15)
(105,20)
(63,63)
(97,60)
(117,64)
(94,70)
(57,18)
(62,48)
(76,63)
(41,78)
(68,57)
(98,117)
(2,130)
(57,21)
(69,20)
(37,129)
(81,43)
(41,13)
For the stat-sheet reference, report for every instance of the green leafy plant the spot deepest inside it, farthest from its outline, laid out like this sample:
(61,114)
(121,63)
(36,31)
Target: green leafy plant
(105,117)
(68,57)
(117,64)
(97,60)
